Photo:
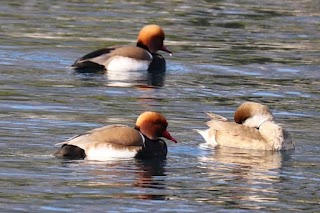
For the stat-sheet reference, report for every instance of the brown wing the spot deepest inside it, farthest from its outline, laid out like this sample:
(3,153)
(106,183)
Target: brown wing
(132,52)
(94,54)
(115,135)
(93,62)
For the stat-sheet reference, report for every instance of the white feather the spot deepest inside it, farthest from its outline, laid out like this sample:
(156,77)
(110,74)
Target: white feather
(108,153)
(257,120)
(120,63)
(209,138)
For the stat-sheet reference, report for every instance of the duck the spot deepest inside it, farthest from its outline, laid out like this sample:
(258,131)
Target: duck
(120,141)
(254,128)
(128,58)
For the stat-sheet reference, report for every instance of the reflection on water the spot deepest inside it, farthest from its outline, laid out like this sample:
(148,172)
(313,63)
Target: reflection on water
(126,79)
(130,79)
(148,180)
(225,52)
(249,159)
(142,180)
(250,173)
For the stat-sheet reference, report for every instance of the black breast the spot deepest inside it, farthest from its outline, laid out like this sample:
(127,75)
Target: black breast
(153,149)
(158,64)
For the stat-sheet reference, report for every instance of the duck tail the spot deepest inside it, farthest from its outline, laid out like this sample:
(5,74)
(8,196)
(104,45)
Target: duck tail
(216,117)
(70,152)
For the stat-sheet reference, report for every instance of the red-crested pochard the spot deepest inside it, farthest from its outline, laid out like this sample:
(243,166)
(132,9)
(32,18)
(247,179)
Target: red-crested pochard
(254,128)
(143,56)
(120,141)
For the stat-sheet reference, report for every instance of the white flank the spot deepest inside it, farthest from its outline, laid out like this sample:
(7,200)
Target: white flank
(108,153)
(120,63)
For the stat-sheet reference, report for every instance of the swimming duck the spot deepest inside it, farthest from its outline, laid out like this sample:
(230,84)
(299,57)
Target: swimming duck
(120,141)
(254,128)
(143,56)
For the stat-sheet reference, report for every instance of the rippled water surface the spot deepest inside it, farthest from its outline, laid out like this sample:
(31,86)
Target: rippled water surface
(225,52)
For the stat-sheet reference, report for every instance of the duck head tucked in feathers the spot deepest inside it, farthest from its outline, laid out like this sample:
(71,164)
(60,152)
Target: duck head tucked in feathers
(252,114)
(254,128)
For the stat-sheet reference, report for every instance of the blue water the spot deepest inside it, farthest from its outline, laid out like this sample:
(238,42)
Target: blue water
(225,53)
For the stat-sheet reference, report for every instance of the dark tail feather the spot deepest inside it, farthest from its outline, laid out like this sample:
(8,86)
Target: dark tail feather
(70,152)
(88,67)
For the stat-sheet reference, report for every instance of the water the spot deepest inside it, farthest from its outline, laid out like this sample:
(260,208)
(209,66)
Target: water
(225,52)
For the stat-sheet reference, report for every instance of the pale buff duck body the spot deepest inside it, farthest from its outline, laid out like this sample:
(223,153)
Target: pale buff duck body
(254,128)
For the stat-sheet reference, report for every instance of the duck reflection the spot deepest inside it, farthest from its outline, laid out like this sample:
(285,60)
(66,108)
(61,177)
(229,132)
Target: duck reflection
(251,159)
(152,78)
(138,180)
(248,175)
(135,79)
(145,179)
